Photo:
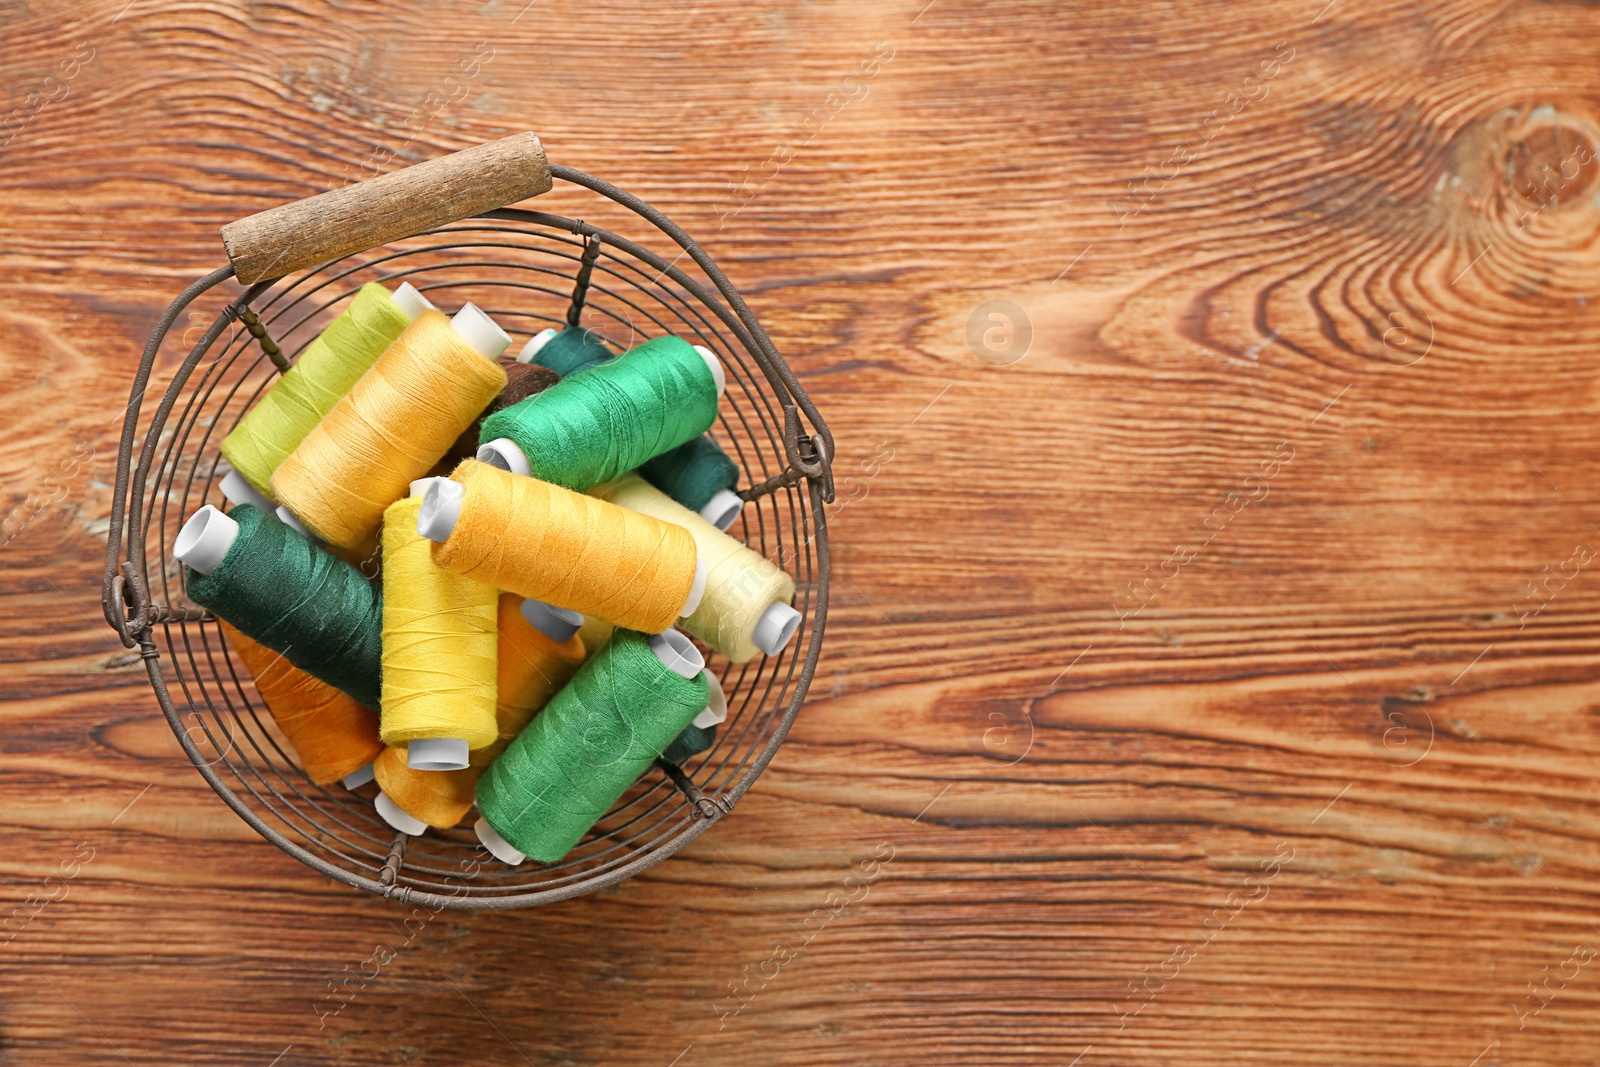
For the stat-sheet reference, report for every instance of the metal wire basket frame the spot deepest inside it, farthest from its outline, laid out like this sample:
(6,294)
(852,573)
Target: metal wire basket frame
(545,260)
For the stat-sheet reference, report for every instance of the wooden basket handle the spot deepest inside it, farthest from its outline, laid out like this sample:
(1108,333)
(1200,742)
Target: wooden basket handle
(367,214)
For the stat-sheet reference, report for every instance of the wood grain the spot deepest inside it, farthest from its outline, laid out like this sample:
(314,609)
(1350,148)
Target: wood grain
(1156,757)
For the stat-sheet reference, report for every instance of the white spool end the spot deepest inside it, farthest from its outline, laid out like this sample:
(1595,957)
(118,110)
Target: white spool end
(437,754)
(411,301)
(358,778)
(558,624)
(677,653)
(715,365)
(716,712)
(503,452)
(390,812)
(286,517)
(205,539)
(441,508)
(723,507)
(480,332)
(420,486)
(498,846)
(535,343)
(697,591)
(238,490)
(775,628)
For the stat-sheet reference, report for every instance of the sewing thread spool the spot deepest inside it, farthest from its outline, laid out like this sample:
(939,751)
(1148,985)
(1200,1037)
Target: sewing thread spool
(568,352)
(394,424)
(332,736)
(700,734)
(334,360)
(591,742)
(539,652)
(564,548)
(746,608)
(594,426)
(439,648)
(522,381)
(280,590)
(699,475)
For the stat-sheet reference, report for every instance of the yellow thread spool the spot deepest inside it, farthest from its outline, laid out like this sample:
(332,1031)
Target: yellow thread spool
(439,649)
(392,426)
(532,668)
(742,586)
(574,551)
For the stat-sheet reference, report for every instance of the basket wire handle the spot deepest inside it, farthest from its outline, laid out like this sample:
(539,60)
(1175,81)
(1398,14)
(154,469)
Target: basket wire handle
(400,204)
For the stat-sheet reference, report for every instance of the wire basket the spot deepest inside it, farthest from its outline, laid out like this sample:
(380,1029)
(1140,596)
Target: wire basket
(227,344)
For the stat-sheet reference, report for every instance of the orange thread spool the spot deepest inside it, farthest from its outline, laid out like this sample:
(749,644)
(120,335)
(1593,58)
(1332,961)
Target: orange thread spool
(330,733)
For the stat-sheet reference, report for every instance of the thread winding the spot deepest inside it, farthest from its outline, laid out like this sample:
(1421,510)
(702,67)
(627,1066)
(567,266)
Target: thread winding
(692,741)
(596,633)
(596,425)
(282,591)
(574,551)
(692,473)
(439,642)
(590,743)
(532,669)
(394,424)
(572,350)
(330,733)
(740,583)
(327,368)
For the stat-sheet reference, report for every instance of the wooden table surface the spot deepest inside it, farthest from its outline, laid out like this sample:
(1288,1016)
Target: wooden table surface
(1211,673)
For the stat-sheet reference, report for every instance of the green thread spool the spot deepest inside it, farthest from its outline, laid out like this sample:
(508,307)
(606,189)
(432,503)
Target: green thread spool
(281,591)
(588,745)
(604,422)
(691,742)
(700,734)
(694,474)
(697,474)
(568,352)
(272,429)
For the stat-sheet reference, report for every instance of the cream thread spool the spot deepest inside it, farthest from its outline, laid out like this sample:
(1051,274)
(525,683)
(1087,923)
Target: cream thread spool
(740,581)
